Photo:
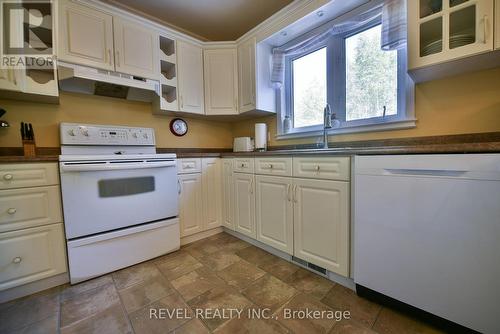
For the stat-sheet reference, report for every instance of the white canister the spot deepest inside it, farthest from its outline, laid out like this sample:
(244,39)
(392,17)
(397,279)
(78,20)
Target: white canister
(260,136)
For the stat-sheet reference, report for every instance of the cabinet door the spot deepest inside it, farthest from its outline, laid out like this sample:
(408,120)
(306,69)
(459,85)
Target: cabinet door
(136,49)
(10,79)
(212,192)
(321,223)
(244,204)
(190,78)
(227,193)
(274,212)
(190,204)
(246,74)
(497,24)
(221,81)
(31,254)
(85,36)
(443,30)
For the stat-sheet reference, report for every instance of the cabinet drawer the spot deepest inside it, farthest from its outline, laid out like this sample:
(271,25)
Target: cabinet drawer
(31,254)
(29,207)
(273,166)
(243,165)
(28,175)
(329,168)
(185,166)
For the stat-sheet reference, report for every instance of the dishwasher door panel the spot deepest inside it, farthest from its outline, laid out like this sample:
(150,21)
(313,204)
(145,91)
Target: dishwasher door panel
(427,234)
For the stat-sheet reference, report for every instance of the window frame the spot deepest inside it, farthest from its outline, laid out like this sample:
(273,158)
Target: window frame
(336,92)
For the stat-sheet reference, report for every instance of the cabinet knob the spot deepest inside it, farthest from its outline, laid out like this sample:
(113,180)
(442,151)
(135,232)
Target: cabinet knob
(11,211)
(8,177)
(317,168)
(17,259)
(270,166)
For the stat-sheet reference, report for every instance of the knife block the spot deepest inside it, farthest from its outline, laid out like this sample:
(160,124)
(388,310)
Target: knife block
(29,148)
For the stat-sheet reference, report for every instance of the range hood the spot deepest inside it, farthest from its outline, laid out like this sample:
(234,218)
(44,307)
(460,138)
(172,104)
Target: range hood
(88,80)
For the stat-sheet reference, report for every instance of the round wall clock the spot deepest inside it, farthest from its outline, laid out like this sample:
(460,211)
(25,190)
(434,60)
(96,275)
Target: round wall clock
(179,127)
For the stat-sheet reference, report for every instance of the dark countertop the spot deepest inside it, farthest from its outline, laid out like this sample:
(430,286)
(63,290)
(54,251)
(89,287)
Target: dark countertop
(466,143)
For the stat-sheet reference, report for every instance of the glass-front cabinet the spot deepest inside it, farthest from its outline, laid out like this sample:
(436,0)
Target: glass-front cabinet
(443,30)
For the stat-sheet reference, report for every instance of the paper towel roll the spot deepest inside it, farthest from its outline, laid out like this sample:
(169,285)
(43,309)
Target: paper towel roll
(260,136)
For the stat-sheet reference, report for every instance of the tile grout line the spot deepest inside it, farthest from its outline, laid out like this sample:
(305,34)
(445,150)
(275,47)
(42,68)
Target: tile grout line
(124,310)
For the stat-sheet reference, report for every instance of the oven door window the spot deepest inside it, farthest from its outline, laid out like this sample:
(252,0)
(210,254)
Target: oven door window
(126,186)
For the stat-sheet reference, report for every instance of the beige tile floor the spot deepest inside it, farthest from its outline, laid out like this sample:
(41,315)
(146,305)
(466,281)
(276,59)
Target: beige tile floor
(220,272)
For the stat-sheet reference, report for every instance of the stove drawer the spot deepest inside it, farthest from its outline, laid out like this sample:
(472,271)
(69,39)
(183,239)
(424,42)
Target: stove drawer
(28,175)
(29,207)
(31,254)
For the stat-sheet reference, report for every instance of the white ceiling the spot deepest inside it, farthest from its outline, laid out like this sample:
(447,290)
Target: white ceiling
(214,20)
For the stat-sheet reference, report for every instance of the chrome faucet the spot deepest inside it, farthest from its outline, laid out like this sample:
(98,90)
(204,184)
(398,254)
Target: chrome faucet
(327,124)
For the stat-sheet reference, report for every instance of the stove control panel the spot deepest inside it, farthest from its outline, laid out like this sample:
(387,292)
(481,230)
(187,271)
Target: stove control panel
(86,134)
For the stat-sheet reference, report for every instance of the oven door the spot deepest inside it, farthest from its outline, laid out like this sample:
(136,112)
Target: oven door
(100,195)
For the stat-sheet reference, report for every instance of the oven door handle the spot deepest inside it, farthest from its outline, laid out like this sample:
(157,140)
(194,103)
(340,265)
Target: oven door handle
(107,166)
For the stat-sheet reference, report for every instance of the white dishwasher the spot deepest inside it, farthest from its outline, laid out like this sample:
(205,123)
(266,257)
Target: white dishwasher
(427,233)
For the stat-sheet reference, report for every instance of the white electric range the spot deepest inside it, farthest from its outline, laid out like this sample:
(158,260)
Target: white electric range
(120,198)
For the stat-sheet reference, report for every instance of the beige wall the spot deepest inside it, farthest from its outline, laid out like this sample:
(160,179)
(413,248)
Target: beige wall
(103,110)
(468,103)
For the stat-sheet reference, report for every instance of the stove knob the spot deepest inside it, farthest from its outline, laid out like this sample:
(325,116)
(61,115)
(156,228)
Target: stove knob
(134,135)
(85,132)
(71,132)
(145,136)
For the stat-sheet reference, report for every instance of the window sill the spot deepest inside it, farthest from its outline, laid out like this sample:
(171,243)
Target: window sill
(394,125)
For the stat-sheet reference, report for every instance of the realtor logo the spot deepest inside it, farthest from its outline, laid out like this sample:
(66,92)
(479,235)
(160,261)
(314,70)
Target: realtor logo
(26,34)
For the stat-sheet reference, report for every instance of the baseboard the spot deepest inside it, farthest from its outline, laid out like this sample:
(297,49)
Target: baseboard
(201,235)
(344,281)
(34,287)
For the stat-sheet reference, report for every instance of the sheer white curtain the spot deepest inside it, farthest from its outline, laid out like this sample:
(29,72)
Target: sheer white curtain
(391,12)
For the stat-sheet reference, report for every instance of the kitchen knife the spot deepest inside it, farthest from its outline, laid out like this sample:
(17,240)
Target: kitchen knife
(31,133)
(26,132)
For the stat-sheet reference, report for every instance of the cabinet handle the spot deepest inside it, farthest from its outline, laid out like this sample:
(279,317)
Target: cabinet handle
(182,103)
(317,168)
(17,259)
(295,194)
(270,166)
(236,104)
(117,58)
(8,177)
(110,59)
(11,211)
(179,187)
(288,193)
(251,186)
(485,29)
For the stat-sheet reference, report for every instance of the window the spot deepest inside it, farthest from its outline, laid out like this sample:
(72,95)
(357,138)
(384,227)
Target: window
(309,88)
(368,89)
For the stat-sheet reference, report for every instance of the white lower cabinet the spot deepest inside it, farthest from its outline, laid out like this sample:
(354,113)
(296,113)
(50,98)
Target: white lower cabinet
(200,196)
(211,183)
(190,204)
(244,204)
(321,223)
(227,194)
(274,212)
(31,254)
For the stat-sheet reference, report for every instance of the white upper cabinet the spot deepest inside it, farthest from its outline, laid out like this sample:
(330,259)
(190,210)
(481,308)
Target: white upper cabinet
(10,79)
(190,78)
(497,24)
(444,30)
(246,66)
(136,49)
(274,212)
(85,36)
(321,223)
(221,81)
